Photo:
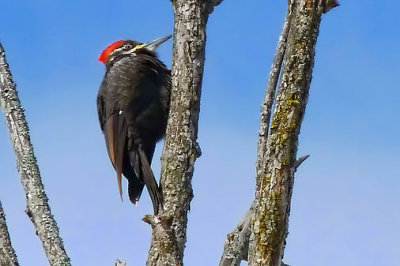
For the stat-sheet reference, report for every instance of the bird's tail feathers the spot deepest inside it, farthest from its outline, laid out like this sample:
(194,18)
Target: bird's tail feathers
(134,191)
(144,174)
(150,181)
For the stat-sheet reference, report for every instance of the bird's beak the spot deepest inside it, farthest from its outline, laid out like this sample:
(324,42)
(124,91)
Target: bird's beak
(152,46)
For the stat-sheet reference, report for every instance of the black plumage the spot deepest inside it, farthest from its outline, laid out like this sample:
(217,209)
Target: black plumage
(133,105)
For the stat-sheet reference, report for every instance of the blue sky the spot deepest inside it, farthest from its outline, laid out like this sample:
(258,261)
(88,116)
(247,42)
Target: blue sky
(346,195)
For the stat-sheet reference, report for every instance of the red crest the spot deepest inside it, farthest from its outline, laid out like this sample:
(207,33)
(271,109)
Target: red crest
(103,57)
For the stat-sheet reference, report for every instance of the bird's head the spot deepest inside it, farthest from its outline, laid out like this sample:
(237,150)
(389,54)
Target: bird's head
(128,47)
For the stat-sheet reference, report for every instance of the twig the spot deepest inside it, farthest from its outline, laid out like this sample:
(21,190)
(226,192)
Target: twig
(300,160)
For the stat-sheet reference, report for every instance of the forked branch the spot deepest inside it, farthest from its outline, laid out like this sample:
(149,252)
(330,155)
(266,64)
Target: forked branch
(275,172)
(236,246)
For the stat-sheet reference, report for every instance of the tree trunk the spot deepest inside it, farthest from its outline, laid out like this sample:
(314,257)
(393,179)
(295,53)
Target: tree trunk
(275,176)
(37,206)
(180,148)
(7,253)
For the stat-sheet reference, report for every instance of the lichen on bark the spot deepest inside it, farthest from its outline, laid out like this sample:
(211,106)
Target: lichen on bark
(275,171)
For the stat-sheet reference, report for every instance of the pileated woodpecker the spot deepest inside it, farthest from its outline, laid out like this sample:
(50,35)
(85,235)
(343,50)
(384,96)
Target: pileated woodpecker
(133,105)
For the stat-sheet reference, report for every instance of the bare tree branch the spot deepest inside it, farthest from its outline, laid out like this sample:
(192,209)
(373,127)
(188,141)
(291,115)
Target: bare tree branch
(269,98)
(37,205)
(236,246)
(233,249)
(7,253)
(275,176)
(237,242)
(180,148)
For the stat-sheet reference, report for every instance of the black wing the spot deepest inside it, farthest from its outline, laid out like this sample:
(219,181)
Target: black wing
(130,87)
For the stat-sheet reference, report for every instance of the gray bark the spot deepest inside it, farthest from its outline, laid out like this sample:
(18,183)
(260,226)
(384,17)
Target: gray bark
(275,176)
(37,207)
(7,253)
(237,242)
(236,246)
(269,98)
(180,148)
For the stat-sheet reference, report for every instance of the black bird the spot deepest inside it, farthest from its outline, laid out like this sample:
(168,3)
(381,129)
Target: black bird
(133,106)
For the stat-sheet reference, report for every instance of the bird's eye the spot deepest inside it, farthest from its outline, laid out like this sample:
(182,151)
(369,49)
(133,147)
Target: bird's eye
(127,46)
